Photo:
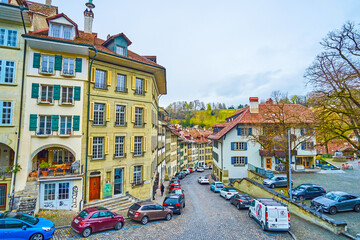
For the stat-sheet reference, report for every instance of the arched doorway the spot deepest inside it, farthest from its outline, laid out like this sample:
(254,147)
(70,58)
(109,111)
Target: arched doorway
(6,159)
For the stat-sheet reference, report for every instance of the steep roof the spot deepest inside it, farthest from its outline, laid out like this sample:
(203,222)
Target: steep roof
(40,8)
(67,18)
(115,36)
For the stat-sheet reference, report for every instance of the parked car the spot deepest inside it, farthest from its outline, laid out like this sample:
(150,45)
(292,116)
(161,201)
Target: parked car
(178,192)
(187,170)
(200,169)
(175,178)
(173,186)
(184,172)
(174,181)
(307,191)
(276,181)
(337,201)
(23,226)
(203,180)
(216,186)
(206,167)
(148,211)
(96,219)
(174,202)
(228,192)
(191,169)
(179,175)
(241,201)
(270,214)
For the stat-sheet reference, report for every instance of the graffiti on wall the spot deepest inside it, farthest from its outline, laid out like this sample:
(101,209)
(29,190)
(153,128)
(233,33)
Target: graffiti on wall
(75,191)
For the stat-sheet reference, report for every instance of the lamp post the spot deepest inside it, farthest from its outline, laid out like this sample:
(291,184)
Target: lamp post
(289,145)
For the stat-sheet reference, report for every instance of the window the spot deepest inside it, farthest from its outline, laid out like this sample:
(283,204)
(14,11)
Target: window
(7,71)
(13,224)
(99,114)
(120,50)
(119,146)
(6,112)
(49,193)
(138,146)
(137,174)
(139,86)
(238,160)
(47,64)
(61,31)
(67,95)
(44,125)
(100,79)
(65,125)
(55,30)
(98,148)
(120,115)
(8,37)
(239,146)
(307,145)
(244,131)
(215,144)
(67,31)
(121,83)
(58,157)
(138,117)
(46,94)
(64,189)
(68,66)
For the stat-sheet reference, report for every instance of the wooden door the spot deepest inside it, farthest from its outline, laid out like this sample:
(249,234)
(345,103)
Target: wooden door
(94,189)
(268,163)
(3,188)
(307,163)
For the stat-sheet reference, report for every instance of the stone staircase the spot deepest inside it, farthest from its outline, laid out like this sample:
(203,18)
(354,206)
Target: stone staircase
(28,197)
(116,203)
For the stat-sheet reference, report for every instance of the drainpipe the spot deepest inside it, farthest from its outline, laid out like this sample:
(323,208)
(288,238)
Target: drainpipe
(87,125)
(12,190)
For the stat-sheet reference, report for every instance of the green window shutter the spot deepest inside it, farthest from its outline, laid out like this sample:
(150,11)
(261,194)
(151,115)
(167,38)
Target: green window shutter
(77,93)
(54,122)
(36,60)
(33,122)
(58,62)
(56,92)
(78,66)
(76,123)
(35,90)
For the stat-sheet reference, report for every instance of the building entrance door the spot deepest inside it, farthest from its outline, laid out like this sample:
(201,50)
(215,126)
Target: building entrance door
(3,196)
(94,189)
(118,181)
(268,163)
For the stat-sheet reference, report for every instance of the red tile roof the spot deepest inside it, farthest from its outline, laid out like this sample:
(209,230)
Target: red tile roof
(40,8)
(117,35)
(293,112)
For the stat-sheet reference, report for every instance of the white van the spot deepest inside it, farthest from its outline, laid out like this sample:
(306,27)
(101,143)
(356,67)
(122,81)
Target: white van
(270,214)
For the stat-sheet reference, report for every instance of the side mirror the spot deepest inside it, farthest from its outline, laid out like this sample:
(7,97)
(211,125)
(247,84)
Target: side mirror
(23,227)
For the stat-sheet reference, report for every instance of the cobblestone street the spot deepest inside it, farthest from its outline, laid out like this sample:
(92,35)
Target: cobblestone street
(206,216)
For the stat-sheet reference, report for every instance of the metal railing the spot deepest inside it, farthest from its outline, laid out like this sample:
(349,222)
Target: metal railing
(262,171)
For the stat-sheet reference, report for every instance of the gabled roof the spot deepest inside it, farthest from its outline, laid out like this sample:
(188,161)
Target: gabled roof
(110,39)
(67,18)
(39,7)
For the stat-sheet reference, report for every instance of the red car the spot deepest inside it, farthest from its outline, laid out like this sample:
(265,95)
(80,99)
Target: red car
(174,186)
(95,219)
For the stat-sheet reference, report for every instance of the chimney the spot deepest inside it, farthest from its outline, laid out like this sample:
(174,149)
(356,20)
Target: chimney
(108,36)
(48,2)
(88,17)
(254,104)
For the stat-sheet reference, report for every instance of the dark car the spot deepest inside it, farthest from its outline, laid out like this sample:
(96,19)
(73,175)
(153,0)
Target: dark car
(276,181)
(178,192)
(96,219)
(336,201)
(180,175)
(174,202)
(307,191)
(147,211)
(241,201)
(22,226)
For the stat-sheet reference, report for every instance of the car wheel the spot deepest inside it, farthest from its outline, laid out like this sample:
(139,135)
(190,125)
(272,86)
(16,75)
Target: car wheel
(37,236)
(250,215)
(332,210)
(272,186)
(180,211)
(168,217)
(118,225)
(263,226)
(184,205)
(301,198)
(144,220)
(86,232)
(357,208)
(238,206)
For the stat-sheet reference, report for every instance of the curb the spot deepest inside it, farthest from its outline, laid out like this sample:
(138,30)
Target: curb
(349,236)
(292,235)
(61,227)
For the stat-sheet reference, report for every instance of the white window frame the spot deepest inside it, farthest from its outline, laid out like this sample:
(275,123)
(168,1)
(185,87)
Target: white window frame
(239,146)
(239,160)
(100,79)
(138,142)
(139,86)
(119,146)
(61,31)
(5,34)
(139,117)
(47,125)
(98,148)
(67,121)
(99,114)
(120,115)
(7,71)
(67,95)
(47,98)
(47,64)
(68,67)
(137,176)
(121,83)
(6,111)
(120,50)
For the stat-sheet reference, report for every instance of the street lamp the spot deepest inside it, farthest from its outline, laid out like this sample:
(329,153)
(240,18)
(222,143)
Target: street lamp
(289,145)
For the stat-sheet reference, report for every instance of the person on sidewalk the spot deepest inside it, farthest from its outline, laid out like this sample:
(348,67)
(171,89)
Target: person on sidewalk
(162,188)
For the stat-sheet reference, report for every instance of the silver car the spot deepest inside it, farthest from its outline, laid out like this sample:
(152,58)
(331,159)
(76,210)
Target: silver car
(276,181)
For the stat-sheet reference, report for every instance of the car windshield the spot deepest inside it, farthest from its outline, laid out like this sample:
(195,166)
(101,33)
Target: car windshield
(26,218)
(219,185)
(332,196)
(177,191)
(83,214)
(135,207)
(300,188)
(171,200)
(245,198)
(232,190)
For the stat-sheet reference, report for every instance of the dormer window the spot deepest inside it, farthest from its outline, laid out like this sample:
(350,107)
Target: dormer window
(120,50)
(61,31)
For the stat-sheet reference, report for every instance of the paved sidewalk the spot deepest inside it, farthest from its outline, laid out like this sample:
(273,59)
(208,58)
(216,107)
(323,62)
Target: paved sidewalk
(158,198)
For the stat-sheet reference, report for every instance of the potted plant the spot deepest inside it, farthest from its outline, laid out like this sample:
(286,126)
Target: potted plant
(44,168)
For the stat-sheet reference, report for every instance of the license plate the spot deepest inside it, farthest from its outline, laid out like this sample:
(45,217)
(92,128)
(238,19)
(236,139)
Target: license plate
(171,207)
(131,212)
(76,221)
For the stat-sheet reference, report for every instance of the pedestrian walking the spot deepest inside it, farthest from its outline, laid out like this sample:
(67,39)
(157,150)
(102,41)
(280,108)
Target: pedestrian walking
(162,188)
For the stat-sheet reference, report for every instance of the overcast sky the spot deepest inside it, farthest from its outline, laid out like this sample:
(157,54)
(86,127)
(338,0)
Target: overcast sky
(222,51)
